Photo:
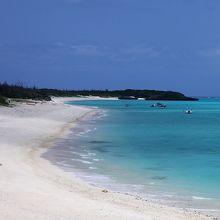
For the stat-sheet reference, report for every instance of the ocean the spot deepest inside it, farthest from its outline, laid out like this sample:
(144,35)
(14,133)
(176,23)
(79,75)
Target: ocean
(163,155)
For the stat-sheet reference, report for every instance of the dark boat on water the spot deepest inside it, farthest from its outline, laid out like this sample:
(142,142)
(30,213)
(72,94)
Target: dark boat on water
(159,105)
(188,111)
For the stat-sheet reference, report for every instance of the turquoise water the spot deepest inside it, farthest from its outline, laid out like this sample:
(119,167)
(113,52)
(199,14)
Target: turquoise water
(161,154)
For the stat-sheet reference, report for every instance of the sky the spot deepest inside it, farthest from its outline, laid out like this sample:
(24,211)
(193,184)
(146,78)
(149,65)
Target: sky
(112,44)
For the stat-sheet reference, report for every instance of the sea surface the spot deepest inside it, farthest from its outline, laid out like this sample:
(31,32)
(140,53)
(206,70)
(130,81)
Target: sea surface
(162,155)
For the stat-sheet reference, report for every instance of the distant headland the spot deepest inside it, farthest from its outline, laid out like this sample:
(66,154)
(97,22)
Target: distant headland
(153,95)
(19,91)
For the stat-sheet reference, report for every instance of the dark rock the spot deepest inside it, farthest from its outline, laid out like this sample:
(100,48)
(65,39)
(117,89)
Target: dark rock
(159,177)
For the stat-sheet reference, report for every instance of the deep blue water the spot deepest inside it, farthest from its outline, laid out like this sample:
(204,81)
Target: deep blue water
(157,153)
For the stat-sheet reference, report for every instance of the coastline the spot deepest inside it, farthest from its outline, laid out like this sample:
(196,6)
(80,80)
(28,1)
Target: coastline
(32,188)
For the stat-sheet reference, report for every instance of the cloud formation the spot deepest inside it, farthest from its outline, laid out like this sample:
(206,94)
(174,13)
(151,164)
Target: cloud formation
(128,54)
(142,51)
(213,52)
(73,1)
(60,52)
(89,50)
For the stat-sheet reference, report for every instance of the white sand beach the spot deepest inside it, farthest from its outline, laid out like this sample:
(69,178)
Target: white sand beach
(31,188)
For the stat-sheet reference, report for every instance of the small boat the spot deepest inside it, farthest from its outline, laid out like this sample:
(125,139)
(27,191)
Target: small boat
(154,105)
(159,105)
(188,111)
(163,106)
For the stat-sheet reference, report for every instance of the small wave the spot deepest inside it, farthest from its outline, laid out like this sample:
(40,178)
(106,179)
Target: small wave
(101,115)
(83,161)
(201,198)
(137,187)
(151,183)
(168,196)
(95,159)
(92,168)
(89,153)
(82,132)
(207,210)
(79,154)
(60,163)
(85,157)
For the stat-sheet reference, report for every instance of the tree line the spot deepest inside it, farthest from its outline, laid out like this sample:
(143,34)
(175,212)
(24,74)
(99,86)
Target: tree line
(19,91)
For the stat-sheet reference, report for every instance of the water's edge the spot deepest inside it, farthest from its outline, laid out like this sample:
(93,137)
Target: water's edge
(81,162)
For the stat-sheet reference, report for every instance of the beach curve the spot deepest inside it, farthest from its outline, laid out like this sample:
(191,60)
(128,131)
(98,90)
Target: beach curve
(32,188)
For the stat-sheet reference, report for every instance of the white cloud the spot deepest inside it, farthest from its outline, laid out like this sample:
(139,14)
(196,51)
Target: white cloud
(213,52)
(73,1)
(128,54)
(89,50)
(142,51)
(120,58)
(61,51)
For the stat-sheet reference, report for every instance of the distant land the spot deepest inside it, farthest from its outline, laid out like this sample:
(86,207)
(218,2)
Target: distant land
(18,91)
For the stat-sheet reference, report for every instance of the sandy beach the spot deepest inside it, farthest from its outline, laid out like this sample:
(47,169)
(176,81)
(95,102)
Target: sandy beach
(32,188)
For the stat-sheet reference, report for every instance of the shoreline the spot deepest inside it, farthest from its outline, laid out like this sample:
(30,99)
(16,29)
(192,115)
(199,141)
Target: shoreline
(82,166)
(32,188)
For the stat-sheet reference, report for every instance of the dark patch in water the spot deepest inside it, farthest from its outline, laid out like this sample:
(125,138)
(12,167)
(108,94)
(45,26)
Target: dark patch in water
(99,142)
(159,177)
(100,149)
(118,155)
(214,164)
(183,149)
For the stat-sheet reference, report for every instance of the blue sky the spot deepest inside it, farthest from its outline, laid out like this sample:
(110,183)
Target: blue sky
(114,44)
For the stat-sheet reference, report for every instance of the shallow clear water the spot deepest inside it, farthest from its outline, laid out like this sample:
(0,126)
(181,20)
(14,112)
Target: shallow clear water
(161,154)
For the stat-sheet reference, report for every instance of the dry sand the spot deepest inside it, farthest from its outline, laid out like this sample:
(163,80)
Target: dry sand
(33,189)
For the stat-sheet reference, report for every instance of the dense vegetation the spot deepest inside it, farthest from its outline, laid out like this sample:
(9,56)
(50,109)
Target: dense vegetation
(3,101)
(18,91)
